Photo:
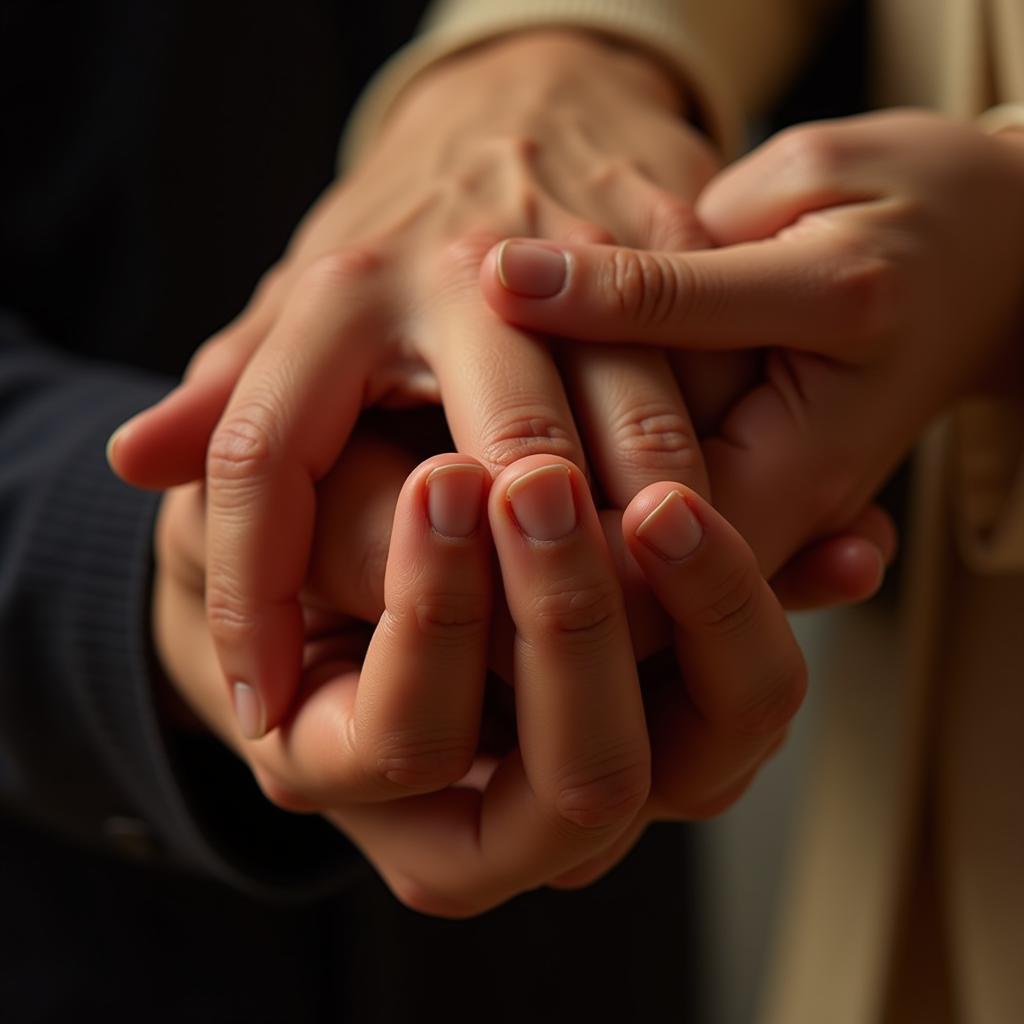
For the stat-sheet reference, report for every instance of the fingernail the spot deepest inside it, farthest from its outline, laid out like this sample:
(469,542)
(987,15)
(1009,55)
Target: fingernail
(542,503)
(671,530)
(454,495)
(533,271)
(112,442)
(252,719)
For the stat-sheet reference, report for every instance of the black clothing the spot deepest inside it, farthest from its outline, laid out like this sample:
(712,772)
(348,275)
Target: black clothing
(157,157)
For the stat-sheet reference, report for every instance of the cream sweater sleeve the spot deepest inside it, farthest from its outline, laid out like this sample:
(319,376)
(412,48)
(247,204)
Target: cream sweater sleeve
(732,56)
(989,451)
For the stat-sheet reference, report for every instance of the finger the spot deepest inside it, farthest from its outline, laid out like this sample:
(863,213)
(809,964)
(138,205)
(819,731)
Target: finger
(288,419)
(814,291)
(712,382)
(708,580)
(834,571)
(355,509)
(165,445)
(742,674)
(637,428)
(800,170)
(843,569)
(788,467)
(597,867)
(581,773)
(417,713)
(581,723)
(412,724)
(642,214)
(502,392)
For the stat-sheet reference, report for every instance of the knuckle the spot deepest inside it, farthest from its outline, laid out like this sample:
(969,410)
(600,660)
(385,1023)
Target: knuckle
(657,438)
(731,607)
(866,287)
(342,268)
(423,759)
(518,148)
(774,702)
(243,446)
(582,613)
(450,618)
(586,233)
(812,153)
(610,170)
(646,288)
(519,429)
(226,616)
(605,790)
(459,260)
(674,223)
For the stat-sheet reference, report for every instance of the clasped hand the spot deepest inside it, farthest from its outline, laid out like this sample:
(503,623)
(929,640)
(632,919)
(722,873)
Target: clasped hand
(385,736)
(831,240)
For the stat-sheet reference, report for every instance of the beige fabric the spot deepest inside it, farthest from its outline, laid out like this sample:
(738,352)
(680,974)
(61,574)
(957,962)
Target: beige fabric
(945,680)
(927,698)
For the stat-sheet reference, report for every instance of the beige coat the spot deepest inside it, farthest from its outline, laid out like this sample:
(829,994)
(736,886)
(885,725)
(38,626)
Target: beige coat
(906,902)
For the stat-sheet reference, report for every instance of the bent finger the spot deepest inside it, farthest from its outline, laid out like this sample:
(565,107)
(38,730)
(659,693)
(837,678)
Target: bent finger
(411,723)
(581,774)
(742,665)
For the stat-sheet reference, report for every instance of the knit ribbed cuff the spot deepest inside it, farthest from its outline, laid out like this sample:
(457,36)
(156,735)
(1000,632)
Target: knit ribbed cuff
(455,25)
(92,550)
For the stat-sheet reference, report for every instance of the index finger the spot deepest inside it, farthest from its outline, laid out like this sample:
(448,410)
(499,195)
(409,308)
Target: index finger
(288,418)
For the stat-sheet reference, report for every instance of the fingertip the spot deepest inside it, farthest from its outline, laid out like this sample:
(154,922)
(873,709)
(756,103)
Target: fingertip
(516,273)
(455,490)
(671,530)
(540,497)
(667,519)
(165,445)
(250,711)
(859,568)
(838,571)
(111,450)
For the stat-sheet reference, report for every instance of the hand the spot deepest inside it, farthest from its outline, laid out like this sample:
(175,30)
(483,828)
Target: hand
(877,261)
(385,737)
(590,771)
(376,302)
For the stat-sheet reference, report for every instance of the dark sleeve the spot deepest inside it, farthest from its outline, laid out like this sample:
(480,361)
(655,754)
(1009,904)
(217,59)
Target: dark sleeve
(83,751)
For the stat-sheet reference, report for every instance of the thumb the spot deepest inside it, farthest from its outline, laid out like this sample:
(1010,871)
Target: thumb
(779,291)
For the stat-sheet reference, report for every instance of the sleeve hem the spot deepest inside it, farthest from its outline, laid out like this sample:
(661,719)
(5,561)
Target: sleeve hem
(660,32)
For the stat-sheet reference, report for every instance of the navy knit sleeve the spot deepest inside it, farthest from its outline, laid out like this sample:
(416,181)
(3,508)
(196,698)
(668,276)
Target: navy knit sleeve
(83,750)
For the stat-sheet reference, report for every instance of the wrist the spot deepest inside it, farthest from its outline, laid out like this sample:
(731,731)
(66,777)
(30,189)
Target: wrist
(542,66)
(553,54)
